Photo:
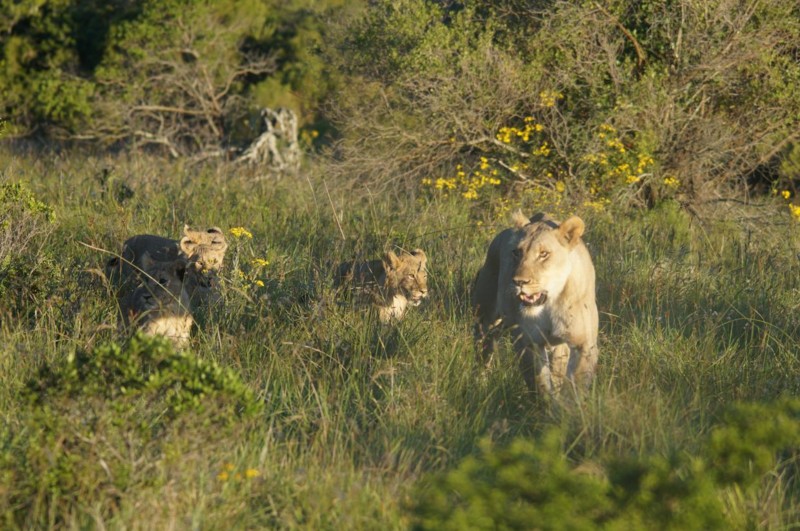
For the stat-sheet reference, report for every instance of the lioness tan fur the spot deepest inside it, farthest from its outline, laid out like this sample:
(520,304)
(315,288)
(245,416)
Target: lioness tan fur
(203,251)
(538,281)
(391,284)
(159,305)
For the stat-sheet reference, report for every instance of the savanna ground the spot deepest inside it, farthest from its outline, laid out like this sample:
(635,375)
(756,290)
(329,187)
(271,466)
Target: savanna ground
(355,422)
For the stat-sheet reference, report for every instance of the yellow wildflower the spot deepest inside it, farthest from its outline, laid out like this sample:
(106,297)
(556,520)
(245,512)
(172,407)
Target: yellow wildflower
(259,283)
(786,194)
(241,232)
(251,473)
(672,182)
(260,262)
(795,210)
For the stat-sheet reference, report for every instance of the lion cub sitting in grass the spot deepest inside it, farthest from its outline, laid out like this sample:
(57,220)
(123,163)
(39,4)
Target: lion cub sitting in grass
(159,304)
(538,283)
(391,284)
(202,250)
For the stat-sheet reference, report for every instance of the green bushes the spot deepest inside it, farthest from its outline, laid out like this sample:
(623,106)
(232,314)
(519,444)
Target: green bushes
(531,485)
(27,268)
(65,446)
(697,94)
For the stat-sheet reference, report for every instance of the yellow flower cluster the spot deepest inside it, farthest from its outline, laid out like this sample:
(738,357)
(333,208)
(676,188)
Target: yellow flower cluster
(241,232)
(615,163)
(671,182)
(549,98)
(597,205)
(794,209)
(228,473)
(508,134)
(468,185)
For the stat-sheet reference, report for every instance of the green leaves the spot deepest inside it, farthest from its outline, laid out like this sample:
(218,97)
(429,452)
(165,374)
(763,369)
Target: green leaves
(530,484)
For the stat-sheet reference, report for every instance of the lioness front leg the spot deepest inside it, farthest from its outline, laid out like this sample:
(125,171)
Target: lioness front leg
(535,369)
(559,362)
(585,365)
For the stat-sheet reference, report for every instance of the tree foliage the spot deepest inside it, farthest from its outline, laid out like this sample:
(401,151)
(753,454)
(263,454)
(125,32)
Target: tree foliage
(706,91)
(709,91)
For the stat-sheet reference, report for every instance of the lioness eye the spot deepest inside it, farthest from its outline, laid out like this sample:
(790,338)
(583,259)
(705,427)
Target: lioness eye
(543,255)
(409,276)
(517,253)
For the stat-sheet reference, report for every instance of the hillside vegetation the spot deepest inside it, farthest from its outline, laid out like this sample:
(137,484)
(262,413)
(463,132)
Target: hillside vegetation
(668,127)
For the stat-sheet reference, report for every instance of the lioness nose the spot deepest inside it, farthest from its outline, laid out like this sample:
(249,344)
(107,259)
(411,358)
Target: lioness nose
(521,281)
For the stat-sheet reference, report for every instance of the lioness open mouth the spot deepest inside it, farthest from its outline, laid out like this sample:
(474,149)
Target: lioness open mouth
(535,299)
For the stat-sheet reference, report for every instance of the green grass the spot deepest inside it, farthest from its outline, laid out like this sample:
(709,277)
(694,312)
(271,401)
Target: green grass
(695,316)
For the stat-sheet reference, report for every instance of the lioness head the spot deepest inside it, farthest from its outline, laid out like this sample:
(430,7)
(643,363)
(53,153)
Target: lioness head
(160,305)
(407,274)
(540,258)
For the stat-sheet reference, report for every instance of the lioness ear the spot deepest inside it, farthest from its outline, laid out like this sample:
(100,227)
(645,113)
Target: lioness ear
(519,219)
(420,254)
(571,230)
(390,260)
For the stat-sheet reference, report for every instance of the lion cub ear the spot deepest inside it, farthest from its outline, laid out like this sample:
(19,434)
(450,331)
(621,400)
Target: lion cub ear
(519,219)
(420,255)
(571,230)
(188,245)
(390,261)
(147,261)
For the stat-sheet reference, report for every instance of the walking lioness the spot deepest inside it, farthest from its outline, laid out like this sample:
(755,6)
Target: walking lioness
(538,281)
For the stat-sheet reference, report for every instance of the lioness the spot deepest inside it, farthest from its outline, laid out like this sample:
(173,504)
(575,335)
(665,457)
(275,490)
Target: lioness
(203,251)
(159,305)
(538,281)
(390,284)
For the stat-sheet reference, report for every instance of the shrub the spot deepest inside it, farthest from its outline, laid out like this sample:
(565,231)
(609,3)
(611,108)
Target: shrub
(530,484)
(27,271)
(158,404)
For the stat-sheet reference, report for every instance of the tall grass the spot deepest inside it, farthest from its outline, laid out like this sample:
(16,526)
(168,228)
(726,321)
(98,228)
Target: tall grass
(695,315)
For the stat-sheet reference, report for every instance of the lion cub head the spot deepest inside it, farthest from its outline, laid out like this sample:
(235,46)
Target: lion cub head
(541,261)
(204,249)
(204,252)
(407,275)
(159,305)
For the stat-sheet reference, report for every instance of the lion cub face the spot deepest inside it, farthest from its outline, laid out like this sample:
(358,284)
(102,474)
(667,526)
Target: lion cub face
(408,274)
(160,305)
(541,260)
(204,249)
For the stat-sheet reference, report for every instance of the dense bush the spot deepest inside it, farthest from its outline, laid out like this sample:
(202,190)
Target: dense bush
(695,95)
(27,268)
(183,76)
(162,404)
(531,485)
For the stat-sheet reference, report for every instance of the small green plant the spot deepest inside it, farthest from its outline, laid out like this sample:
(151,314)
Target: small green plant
(147,368)
(528,483)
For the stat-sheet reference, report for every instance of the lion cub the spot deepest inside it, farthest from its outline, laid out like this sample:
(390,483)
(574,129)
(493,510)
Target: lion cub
(202,250)
(391,284)
(159,305)
(538,282)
